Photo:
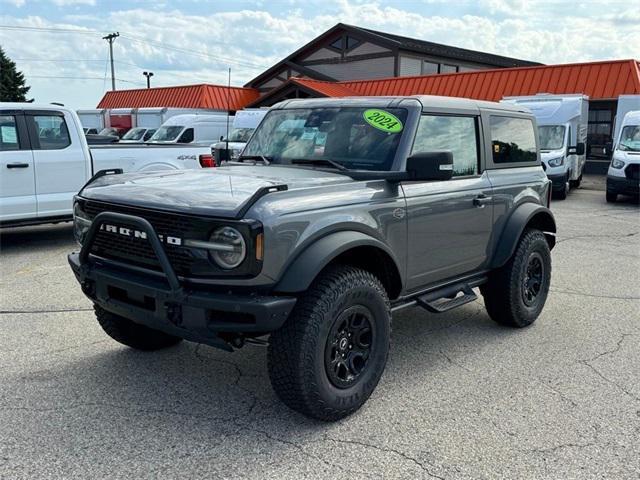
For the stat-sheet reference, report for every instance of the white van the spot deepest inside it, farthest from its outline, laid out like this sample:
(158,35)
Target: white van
(623,177)
(195,129)
(562,133)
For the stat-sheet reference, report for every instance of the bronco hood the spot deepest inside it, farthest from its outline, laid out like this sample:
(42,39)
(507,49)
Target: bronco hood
(218,192)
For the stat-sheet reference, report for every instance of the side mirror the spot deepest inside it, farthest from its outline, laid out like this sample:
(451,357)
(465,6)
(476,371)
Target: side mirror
(430,166)
(608,148)
(221,137)
(577,150)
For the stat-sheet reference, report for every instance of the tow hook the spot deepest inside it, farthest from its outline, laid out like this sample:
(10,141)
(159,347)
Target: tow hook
(88,288)
(174,313)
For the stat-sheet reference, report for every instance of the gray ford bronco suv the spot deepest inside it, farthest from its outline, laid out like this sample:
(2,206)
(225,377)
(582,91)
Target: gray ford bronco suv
(338,213)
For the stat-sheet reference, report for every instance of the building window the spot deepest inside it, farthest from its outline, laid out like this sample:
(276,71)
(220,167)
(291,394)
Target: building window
(352,42)
(513,140)
(337,44)
(444,68)
(429,68)
(458,135)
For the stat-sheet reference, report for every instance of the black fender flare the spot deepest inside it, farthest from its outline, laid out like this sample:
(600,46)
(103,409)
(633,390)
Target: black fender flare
(527,214)
(299,273)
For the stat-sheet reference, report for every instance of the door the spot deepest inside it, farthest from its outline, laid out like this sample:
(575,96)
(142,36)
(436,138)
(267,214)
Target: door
(17,173)
(60,162)
(449,222)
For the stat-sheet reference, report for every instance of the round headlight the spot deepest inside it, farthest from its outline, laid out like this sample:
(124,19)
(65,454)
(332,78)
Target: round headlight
(231,248)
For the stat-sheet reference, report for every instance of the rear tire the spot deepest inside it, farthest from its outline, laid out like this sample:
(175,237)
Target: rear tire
(133,334)
(612,197)
(328,357)
(516,293)
(562,194)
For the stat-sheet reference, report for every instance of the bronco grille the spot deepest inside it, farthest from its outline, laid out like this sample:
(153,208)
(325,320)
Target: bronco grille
(138,251)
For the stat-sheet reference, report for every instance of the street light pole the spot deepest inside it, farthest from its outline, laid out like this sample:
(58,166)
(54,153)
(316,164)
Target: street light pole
(148,75)
(110,38)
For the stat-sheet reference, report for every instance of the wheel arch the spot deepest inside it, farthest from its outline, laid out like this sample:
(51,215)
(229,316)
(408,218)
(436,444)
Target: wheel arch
(527,215)
(345,247)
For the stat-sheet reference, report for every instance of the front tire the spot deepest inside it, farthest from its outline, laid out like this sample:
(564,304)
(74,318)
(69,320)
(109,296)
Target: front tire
(133,334)
(564,192)
(516,293)
(328,357)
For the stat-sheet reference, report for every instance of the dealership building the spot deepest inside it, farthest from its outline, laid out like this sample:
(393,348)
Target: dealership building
(353,61)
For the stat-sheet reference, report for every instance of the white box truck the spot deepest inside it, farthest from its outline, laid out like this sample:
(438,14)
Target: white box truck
(154,117)
(623,177)
(562,134)
(626,104)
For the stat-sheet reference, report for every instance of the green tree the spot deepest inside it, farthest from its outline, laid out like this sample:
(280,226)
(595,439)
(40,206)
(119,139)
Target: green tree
(12,82)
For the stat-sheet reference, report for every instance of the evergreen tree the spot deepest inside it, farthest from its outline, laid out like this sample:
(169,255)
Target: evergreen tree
(12,82)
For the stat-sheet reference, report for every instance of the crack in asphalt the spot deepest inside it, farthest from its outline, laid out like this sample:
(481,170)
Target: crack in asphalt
(562,446)
(593,295)
(58,310)
(617,235)
(379,448)
(587,363)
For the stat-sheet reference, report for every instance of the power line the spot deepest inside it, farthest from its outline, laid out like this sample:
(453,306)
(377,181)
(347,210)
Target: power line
(135,38)
(83,78)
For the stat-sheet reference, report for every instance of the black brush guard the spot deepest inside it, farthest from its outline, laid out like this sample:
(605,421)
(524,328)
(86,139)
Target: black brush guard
(161,302)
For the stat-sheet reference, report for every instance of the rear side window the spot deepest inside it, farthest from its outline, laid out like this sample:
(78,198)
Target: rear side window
(512,140)
(457,135)
(52,132)
(8,133)
(187,136)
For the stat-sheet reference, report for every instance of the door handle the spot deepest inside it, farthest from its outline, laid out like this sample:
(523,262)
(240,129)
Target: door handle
(17,165)
(481,200)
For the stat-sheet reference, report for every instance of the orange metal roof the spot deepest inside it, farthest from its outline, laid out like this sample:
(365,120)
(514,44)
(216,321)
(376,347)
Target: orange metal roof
(327,89)
(214,97)
(598,80)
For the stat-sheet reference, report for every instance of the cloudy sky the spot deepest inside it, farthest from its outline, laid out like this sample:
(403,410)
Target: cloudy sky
(58,44)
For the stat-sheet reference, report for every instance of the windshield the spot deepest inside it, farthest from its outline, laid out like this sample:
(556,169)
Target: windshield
(357,138)
(167,134)
(240,134)
(134,134)
(108,131)
(630,139)
(551,137)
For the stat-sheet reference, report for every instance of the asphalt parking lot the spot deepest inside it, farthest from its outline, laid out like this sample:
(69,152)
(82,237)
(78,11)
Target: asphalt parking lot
(462,398)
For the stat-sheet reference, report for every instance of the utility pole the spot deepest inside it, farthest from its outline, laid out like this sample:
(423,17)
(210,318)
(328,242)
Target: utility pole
(148,75)
(110,38)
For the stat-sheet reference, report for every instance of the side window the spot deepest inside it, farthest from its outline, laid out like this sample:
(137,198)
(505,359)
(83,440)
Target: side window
(512,140)
(52,132)
(187,136)
(8,133)
(149,134)
(457,135)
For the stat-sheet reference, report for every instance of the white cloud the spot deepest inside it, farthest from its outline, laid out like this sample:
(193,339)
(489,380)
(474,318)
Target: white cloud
(67,3)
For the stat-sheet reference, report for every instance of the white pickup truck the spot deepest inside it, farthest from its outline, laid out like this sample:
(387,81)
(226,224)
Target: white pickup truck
(45,160)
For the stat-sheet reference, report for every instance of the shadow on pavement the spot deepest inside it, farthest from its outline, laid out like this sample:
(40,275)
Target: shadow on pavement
(36,237)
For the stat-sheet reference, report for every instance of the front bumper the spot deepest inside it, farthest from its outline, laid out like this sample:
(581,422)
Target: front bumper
(162,303)
(558,182)
(623,185)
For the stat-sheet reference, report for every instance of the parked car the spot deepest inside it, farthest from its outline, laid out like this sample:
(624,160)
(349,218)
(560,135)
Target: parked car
(562,129)
(623,177)
(90,131)
(194,129)
(45,159)
(338,213)
(138,135)
(244,124)
(101,139)
(112,131)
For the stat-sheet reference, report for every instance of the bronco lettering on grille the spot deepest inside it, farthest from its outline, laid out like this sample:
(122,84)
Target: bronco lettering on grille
(130,232)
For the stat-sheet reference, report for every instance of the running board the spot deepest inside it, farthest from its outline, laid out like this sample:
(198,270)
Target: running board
(447,299)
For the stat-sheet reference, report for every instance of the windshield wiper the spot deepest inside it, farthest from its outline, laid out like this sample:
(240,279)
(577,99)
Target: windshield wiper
(319,161)
(262,158)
